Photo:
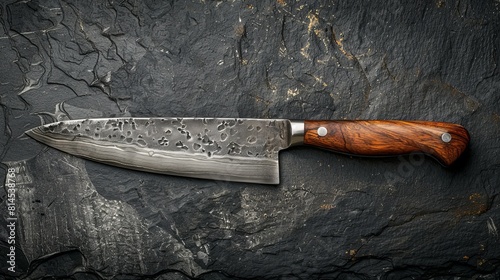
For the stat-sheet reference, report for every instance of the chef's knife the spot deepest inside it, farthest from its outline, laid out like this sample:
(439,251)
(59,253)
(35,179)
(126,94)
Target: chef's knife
(244,150)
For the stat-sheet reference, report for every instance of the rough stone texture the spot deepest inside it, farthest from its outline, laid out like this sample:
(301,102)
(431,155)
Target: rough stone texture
(332,216)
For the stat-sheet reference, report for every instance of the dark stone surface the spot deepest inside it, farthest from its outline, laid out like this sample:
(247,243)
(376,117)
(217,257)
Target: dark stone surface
(332,216)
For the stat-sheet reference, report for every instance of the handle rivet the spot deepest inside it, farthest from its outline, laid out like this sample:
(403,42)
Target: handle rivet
(446,137)
(322,131)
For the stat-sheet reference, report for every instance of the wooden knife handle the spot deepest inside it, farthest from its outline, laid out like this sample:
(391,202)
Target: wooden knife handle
(443,141)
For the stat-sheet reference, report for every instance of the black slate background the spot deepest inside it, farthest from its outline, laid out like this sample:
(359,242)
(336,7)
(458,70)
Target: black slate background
(332,216)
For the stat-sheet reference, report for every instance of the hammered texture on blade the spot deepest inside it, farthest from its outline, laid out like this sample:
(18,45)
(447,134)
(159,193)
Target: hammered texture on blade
(214,148)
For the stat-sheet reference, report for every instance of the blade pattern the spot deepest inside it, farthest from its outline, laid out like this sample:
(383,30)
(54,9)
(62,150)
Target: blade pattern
(179,146)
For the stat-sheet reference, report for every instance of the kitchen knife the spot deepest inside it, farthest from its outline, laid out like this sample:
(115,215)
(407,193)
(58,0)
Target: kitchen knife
(244,150)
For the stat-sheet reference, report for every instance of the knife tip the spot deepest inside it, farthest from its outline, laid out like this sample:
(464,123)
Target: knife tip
(33,134)
(30,133)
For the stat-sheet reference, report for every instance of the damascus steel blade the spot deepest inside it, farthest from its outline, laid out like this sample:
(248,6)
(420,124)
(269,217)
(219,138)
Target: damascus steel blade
(244,150)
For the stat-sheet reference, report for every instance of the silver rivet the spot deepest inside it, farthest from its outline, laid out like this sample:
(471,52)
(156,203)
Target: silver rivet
(446,137)
(322,131)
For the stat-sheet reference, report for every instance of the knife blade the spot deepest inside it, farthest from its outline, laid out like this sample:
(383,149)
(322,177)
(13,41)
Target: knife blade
(241,149)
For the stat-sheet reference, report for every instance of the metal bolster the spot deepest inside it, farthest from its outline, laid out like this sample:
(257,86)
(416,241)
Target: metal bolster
(296,132)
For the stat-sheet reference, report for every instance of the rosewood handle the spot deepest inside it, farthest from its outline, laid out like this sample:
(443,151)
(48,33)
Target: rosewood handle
(443,141)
